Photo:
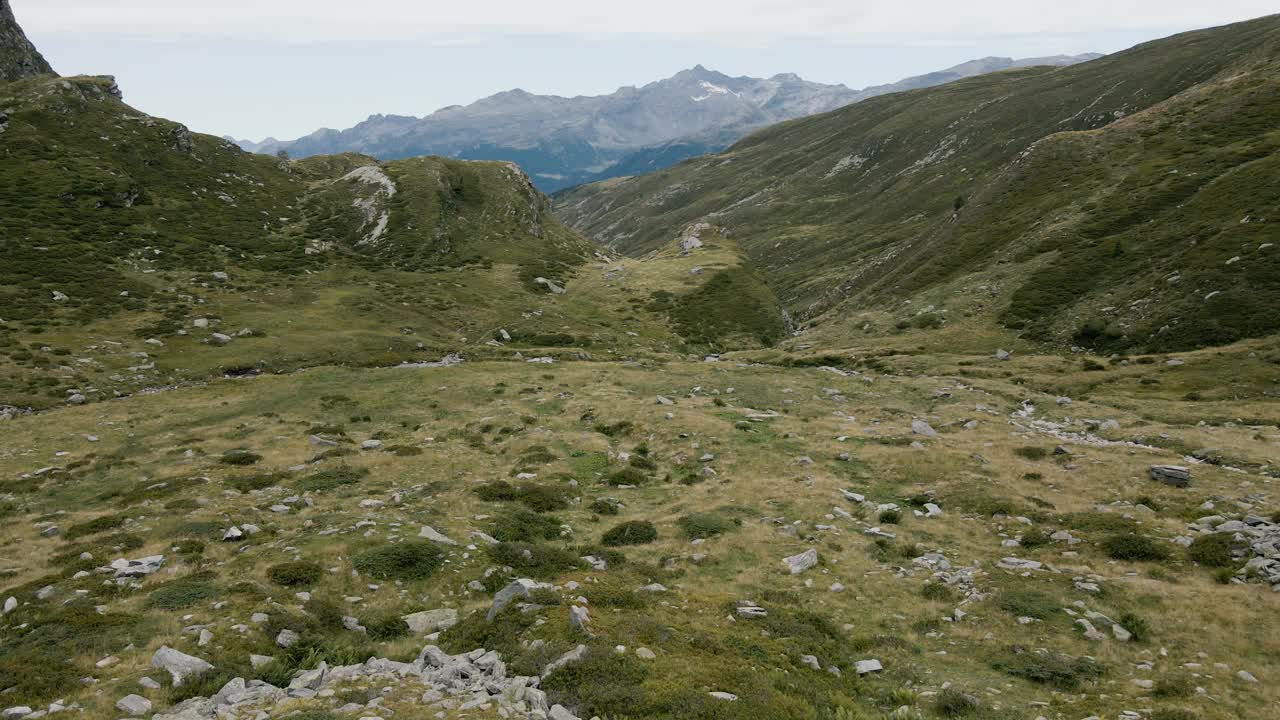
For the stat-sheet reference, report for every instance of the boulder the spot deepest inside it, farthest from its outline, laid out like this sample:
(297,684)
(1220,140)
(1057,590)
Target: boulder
(287,638)
(1171,475)
(435,536)
(180,666)
(920,427)
(579,619)
(797,564)
(573,656)
(504,597)
(133,705)
(866,667)
(429,621)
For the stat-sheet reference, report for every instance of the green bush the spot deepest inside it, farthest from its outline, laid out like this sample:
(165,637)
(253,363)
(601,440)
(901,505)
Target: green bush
(937,592)
(332,478)
(1136,625)
(634,532)
(604,506)
(1214,550)
(951,703)
(537,561)
(248,483)
(1174,686)
(239,456)
(536,497)
(541,498)
(1056,670)
(604,683)
(627,476)
(497,491)
(180,594)
(697,526)
(1031,453)
(521,525)
(1029,603)
(890,517)
(1034,538)
(1134,548)
(385,626)
(294,574)
(94,526)
(405,561)
(623,427)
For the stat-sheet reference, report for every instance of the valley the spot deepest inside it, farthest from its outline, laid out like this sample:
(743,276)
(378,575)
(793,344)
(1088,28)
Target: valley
(959,402)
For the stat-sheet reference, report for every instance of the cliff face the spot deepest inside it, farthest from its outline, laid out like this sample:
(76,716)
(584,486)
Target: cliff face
(18,57)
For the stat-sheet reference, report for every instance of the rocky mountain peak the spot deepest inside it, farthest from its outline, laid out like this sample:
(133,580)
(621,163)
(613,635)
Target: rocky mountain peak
(18,57)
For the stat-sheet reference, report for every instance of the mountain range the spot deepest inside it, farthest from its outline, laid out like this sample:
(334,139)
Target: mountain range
(563,142)
(1128,201)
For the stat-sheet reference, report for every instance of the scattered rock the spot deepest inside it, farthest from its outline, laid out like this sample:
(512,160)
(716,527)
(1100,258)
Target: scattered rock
(920,427)
(134,705)
(797,564)
(866,667)
(180,666)
(431,534)
(429,621)
(1172,475)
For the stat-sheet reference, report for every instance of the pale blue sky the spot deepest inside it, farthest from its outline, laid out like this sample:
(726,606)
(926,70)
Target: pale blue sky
(252,68)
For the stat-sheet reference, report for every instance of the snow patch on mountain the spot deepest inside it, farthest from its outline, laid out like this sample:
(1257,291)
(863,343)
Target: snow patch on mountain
(712,90)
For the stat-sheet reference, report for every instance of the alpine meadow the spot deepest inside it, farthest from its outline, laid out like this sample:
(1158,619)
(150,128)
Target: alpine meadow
(957,397)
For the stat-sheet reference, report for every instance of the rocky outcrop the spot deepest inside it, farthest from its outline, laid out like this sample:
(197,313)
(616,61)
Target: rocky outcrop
(18,57)
(435,680)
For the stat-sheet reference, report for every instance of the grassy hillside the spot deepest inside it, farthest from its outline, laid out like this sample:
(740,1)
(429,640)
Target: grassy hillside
(1093,205)
(748,466)
(135,254)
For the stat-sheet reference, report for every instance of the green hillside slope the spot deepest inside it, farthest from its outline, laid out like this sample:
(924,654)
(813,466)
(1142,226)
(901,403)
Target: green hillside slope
(136,254)
(1119,189)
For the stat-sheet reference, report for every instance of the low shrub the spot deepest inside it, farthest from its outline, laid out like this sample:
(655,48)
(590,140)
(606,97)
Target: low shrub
(180,594)
(604,683)
(951,703)
(937,592)
(534,560)
(94,526)
(1137,626)
(1214,550)
(521,525)
(1132,547)
(332,478)
(1031,453)
(385,626)
(294,574)
(1056,670)
(604,506)
(890,517)
(1029,603)
(404,561)
(249,483)
(696,526)
(1174,686)
(617,429)
(239,456)
(634,532)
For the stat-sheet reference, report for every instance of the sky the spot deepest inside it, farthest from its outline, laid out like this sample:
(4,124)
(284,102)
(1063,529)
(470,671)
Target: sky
(283,68)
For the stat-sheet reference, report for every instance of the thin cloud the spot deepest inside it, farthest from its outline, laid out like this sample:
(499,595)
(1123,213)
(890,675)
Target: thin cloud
(729,22)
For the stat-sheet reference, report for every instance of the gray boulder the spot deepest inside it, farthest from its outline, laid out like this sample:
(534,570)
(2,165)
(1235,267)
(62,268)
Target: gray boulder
(180,666)
(134,705)
(1171,475)
(797,564)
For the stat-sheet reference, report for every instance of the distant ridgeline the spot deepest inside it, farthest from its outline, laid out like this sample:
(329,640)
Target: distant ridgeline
(562,142)
(1129,202)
